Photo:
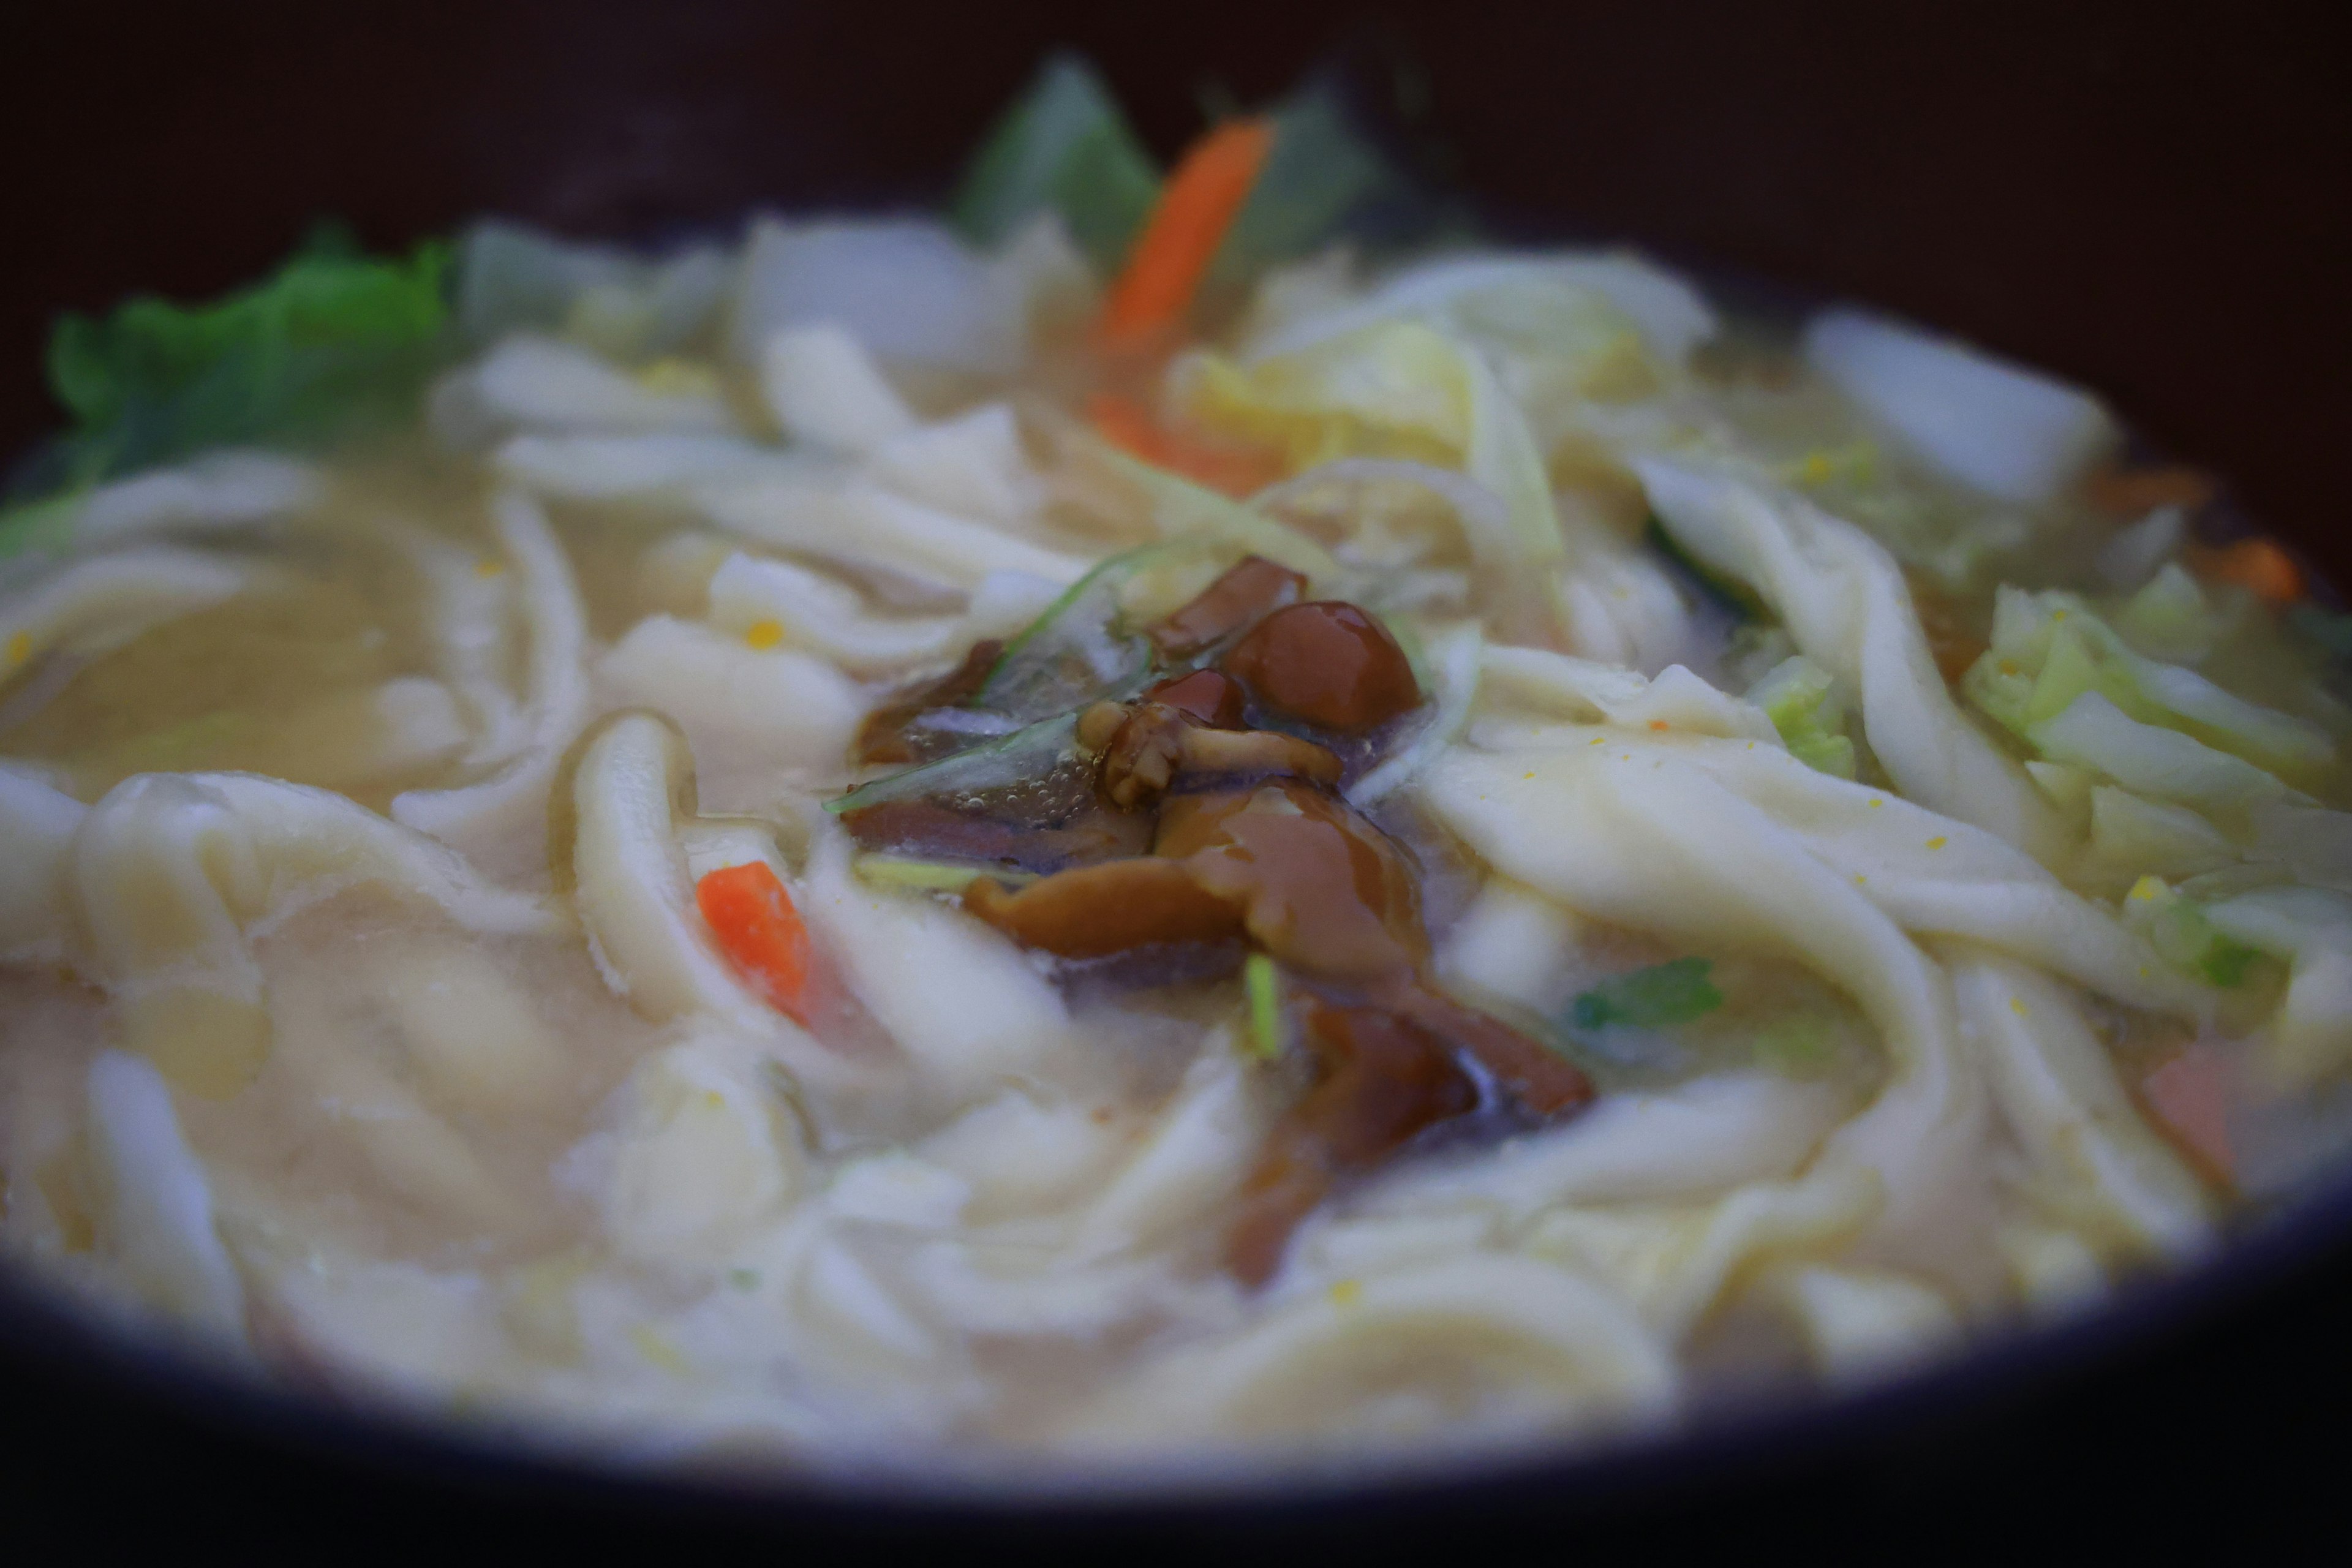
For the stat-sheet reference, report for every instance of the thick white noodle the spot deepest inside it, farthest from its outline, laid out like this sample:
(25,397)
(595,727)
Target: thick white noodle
(497,811)
(36,829)
(172,872)
(631,796)
(1845,602)
(155,1212)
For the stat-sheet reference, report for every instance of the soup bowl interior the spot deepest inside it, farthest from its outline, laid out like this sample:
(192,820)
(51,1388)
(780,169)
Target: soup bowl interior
(2148,204)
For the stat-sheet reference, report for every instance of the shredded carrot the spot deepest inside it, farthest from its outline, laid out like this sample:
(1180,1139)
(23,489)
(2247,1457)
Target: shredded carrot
(2256,563)
(1129,426)
(2128,493)
(1202,196)
(2187,1098)
(753,916)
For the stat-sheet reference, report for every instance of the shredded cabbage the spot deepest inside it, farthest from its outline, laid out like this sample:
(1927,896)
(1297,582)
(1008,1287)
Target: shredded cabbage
(332,341)
(1996,427)
(511,278)
(1799,697)
(2050,650)
(2180,932)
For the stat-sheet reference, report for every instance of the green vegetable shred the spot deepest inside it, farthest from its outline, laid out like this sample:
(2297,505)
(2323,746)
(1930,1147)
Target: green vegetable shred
(1658,997)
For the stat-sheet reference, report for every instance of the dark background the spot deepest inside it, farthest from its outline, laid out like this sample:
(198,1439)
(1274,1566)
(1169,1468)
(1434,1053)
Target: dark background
(2151,199)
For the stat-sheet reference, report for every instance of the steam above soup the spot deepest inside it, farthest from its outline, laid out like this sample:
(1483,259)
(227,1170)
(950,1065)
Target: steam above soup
(1127,827)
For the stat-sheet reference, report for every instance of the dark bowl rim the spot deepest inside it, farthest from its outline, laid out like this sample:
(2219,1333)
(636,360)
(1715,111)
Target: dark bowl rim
(39,1329)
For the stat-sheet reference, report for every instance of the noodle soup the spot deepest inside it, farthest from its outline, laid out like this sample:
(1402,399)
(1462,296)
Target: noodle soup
(1124,827)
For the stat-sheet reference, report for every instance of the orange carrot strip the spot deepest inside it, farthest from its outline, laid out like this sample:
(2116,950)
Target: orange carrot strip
(2259,564)
(753,916)
(2187,1098)
(1199,203)
(1129,426)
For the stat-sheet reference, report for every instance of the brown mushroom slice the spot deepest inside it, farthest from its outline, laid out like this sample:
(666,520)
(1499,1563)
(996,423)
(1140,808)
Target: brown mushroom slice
(1327,664)
(1259,754)
(1537,1078)
(1323,890)
(1247,590)
(888,737)
(1140,758)
(1379,1080)
(1209,696)
(1097,910)
(1157,746)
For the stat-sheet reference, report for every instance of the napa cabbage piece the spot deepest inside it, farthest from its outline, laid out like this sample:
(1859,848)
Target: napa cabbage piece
(335,340)
(910,290)
(510,278)
(2184,935)
(544,385)
(1844,600)
(2092,733)
(1401,393)
(1548,316)
(1531,680)
(2131,836)
(973,463)
(1799,698)
(2172,617)
(1179,508)
(1323,178)
(1401,390)
(1064,146)
(2309,1039)
(2009,432)
(825,389)
(2059,676)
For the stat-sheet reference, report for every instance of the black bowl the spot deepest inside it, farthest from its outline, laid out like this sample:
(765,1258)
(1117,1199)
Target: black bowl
(2149,201)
